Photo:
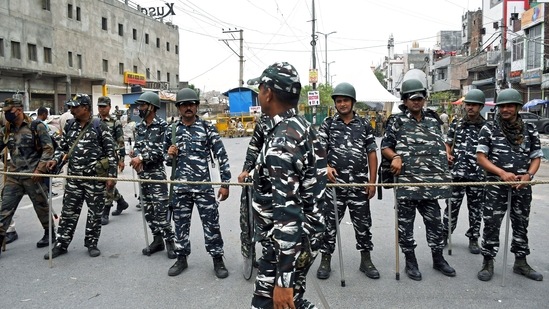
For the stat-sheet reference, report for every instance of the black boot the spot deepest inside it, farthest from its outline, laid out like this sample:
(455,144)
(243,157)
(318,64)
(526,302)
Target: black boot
(440,264)
(11,237)
(105,215)
(155,246)
(219,267)
(411,268)
(121,205)
(170,247)
(179,266)
(487,271)
(324,269)
(44,242)
(366,265)
(521,267)
(473,246)
(55,252)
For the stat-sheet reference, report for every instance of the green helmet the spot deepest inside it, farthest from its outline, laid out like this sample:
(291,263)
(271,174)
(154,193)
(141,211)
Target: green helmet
(186,95)
(509,96)
(475,96)
(149,97)
(411,86)
(344,89)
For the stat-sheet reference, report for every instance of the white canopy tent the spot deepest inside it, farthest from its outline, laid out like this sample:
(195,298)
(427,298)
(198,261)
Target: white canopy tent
(369,89)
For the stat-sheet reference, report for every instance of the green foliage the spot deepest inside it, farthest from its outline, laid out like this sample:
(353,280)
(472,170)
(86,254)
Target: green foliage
(325,95)
(380,77)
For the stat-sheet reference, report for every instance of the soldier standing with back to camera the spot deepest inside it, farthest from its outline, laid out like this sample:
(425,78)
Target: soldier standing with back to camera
(414,144)
(461,146)
(509,150)
(29,154)
(86,141)
(148,162)
(115,127)
(352,155)
(190,143)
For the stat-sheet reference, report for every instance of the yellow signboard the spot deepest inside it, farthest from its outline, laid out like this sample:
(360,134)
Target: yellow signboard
(134,78)
(313,76)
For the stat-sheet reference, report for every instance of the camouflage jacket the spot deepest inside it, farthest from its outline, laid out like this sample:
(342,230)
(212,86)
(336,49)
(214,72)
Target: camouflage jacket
(348,146)
(287,186)
(22,146)
(149,144)
(195,143)
(421,147)
(462,138)
(90,148)
(256,142)
(494,144)
(115,127)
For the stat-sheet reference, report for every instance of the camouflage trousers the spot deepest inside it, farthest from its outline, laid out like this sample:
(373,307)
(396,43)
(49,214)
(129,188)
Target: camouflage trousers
(430,211)
(475,202)
(493,214)
(245,229)
(154,202)
(112,195)
(14,190)
(76,192)
(356,200)
(207,208)
(266,275)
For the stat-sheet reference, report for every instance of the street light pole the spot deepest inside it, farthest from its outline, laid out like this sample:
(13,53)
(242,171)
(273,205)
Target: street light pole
(326,51)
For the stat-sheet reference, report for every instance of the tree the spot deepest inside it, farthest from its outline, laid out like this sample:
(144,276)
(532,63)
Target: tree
(325,92)
(380,77)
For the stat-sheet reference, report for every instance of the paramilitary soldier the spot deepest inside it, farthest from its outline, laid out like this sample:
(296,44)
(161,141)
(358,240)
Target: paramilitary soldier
(287,189)
(509,150)
(352,153)
(461,146)
(148,162)
(29,152)
(85,142)
(115,126)
(189,144)
(413,143)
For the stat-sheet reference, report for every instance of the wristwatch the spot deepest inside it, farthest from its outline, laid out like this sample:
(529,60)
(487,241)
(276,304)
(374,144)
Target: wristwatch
(531,175)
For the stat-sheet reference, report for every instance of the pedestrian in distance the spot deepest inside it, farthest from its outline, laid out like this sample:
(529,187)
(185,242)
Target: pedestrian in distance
(287,187)
(147,159)
(509,149)
(414,144)
(29,151)
(86,144)
(352,158)
(190,143)
(461,147)
(115,127)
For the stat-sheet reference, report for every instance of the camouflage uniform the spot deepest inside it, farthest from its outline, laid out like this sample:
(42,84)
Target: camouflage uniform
(115,128)
(194,144)
(286,193)
(347,147)
(420,145)
(149,143)
(494,144)
(25,158)
(462,138)
(90,148)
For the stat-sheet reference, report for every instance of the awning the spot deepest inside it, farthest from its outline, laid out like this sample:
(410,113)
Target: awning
(458,102)
(534,102)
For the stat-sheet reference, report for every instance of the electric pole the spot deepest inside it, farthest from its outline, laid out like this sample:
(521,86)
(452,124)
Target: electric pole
(326,51)
(313,43)
(240,54)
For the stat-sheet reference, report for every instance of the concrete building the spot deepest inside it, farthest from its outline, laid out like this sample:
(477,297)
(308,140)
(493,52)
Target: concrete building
(51,50)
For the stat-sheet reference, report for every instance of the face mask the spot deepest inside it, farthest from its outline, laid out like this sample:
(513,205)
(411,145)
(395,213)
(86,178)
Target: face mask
(142,114)
(10,116)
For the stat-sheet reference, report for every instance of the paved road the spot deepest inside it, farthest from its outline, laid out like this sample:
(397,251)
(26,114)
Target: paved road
(124,278)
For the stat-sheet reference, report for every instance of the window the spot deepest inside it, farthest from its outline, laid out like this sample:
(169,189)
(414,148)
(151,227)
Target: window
(47,55)
(105,65)
(135,69)
(31,50)
(104,23)
(70,59)
(158,75)
(157,42)
(78,15)
(146,38)
(518,49)
(148,73)
(69,11)
(177,49)
(533,47)
(441,74)
(167,46)
(121,68)
(1,47)
(134,31)
(120,29)
(15,50)
(46,5)
(79,61)
(168,77)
